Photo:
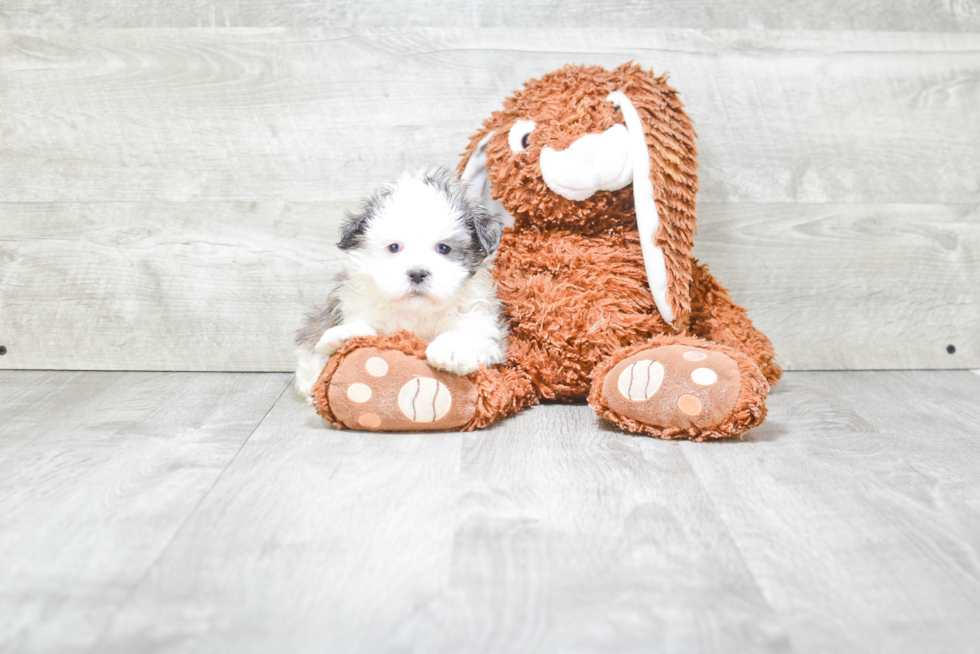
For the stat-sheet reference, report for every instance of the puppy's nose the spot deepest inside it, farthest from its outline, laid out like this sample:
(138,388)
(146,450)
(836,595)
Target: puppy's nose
(417,275)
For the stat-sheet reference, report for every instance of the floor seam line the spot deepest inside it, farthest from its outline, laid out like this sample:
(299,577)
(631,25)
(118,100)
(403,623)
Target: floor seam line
(738,549)
(139,583)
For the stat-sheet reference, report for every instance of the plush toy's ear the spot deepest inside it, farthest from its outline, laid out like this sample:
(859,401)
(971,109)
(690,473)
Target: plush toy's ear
(474,172)
(664,189)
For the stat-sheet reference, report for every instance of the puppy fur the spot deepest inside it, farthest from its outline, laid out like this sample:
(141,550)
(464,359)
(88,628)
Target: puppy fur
(419,256)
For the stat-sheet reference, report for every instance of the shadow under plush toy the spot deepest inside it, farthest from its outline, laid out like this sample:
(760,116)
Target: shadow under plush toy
(605,301)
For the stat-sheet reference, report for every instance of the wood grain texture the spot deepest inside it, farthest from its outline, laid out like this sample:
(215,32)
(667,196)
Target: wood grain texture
(853,286)
(891,15)
(858,511)
(325,114)
(170,196)
(223,286)
(544,533)
(161,286)
(98,473)
(849,521)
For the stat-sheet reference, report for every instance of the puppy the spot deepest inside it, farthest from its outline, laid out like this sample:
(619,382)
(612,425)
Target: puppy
(419,259)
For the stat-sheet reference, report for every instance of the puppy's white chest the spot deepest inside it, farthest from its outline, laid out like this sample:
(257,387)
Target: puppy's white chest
(403,320)
(425,325)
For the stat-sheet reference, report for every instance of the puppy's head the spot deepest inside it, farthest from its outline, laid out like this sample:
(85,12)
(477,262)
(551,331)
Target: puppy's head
(421,238)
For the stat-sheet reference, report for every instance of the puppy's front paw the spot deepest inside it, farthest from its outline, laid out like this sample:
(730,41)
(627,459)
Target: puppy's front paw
(334,337)
(454,352)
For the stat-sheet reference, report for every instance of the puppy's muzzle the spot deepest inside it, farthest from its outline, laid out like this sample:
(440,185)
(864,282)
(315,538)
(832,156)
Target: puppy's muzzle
(418,275)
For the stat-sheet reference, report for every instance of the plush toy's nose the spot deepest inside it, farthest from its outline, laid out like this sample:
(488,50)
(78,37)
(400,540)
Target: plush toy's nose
(587,149)
(595,162)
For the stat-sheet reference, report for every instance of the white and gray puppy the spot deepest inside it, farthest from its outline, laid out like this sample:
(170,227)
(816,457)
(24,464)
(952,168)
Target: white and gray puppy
(419,259)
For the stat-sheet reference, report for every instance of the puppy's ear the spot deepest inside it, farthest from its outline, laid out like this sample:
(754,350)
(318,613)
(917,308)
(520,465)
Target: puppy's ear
(486,228)
(356,222)
(352,232)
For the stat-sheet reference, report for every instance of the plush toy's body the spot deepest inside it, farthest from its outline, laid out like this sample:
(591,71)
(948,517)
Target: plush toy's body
(604,299)
(575,301)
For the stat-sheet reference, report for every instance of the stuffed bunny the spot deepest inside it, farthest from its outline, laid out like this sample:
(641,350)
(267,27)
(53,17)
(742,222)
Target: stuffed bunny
(597,170)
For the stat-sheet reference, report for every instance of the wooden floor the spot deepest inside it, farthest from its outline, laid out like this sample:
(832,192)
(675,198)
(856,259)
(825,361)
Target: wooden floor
(213,512)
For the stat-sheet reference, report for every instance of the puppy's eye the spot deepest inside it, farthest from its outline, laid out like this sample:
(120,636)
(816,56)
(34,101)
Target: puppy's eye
(519,137)
(394,247)
(442,248)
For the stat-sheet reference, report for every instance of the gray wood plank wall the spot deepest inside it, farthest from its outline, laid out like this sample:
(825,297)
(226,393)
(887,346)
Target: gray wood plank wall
(874,15)
(173,173)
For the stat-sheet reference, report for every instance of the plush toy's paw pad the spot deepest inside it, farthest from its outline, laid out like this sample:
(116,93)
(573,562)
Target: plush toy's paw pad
(674,386)
(387,390)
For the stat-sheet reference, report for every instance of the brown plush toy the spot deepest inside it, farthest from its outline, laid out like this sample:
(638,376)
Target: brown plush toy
(605,301)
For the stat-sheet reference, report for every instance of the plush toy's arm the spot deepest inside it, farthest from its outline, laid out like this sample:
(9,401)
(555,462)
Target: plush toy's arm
(715,317)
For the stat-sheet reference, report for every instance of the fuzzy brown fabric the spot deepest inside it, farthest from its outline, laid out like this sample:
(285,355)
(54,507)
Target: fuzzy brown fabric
(401,342)
(571,274)
(387,390)
(570,103)
(749,410)
(716,317)
(500,390)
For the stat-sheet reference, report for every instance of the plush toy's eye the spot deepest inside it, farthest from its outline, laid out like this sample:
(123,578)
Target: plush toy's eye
(442,248)
(394,247)
(519,137)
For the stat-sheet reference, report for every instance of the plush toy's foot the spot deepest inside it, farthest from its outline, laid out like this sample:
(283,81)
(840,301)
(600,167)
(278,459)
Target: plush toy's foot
(383,383)
(680,388)
(387,390)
